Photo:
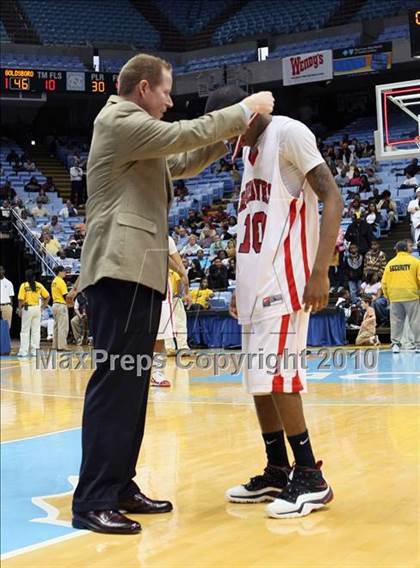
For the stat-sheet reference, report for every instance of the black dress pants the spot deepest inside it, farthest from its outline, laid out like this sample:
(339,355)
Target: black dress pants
(124,320)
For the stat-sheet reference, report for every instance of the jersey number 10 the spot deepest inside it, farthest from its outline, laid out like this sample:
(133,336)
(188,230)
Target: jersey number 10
(254,224)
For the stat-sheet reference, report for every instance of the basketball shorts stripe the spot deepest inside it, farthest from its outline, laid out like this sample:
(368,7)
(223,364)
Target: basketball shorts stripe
(275,354)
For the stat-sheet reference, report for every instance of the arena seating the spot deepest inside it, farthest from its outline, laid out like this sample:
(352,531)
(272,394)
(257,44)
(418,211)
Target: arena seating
(373,9)
(285,17)
(4,38)
(191,17)
(64,23)
(59,62)
(393,32)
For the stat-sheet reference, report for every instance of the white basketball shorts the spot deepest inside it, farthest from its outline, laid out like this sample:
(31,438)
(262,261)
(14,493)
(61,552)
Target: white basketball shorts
(276,354)
(166,323)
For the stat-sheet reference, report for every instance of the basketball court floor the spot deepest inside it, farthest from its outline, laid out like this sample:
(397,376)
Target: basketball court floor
(202,437)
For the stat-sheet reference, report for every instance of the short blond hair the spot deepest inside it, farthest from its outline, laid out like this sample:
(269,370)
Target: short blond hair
(139,67)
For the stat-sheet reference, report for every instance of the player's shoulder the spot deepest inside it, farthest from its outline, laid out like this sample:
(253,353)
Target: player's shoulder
(290,125)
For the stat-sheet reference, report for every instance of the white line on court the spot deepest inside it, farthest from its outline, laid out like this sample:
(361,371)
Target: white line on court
(49,542)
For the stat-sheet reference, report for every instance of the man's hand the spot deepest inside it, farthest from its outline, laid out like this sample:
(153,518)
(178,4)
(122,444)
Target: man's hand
(262,103)
(315,295)
(232,308)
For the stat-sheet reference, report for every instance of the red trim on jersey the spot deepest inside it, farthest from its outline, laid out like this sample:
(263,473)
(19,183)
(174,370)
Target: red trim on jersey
(278,380)
(303,241)
(296,383)
(252,156)
(288,261)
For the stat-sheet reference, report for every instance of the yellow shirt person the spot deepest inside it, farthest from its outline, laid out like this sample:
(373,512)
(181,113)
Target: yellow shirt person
(58,290)
(201,295)
(29,297)
(401,279)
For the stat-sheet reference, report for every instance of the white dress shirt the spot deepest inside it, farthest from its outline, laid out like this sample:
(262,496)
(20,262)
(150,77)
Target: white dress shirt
(6,291)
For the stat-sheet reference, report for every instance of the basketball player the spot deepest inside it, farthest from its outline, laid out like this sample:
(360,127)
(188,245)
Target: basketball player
(167,322)
(282,275)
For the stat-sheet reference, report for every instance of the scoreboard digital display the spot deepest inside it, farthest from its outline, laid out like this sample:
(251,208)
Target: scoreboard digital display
(414,22)
(43,81)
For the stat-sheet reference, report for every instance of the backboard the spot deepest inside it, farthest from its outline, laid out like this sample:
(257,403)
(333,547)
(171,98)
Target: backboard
(398,116)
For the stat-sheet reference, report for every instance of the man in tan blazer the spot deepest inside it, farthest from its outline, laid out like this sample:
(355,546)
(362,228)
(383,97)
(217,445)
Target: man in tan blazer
(124,268)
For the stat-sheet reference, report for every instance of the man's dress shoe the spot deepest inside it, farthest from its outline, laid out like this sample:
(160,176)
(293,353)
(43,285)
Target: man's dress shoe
(141,504)
(109,521)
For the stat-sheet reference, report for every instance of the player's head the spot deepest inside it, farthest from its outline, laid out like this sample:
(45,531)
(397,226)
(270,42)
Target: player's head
(227,96)
(147,81)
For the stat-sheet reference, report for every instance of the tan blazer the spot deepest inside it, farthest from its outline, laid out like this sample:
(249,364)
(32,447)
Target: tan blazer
(132,160)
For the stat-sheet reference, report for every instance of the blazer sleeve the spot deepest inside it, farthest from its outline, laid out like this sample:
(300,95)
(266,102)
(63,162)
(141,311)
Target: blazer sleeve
(142,137)
(191,163)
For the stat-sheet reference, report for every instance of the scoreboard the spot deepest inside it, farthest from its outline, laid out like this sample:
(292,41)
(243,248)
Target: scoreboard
(414,23)
(43,81)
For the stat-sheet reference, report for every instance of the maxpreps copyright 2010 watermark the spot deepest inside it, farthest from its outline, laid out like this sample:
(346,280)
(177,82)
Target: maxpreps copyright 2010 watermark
(324,359)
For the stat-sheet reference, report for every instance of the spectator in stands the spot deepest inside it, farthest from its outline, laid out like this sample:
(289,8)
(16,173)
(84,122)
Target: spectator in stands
(367,333)
(412,169)
(218,275)
(50,244)
(76,176)
(79,320)
(344,303)
(354,271)
(32,185)
(225,235)
(356,179)
(200,296)
(68,210)
(7,192)
(233,225)
(39,210)
(204,260)
(191,248)
(373,218)
(414,210)
(375,260)
(29,165)
(182,238)
(27,219)
(18,207)
(389,208)
(5,210)
(31,293)
(65,261)
(223,257)
(232,269)
(342,178)
(223,166)
(410,181)
(231,248)
(360,234)
(236,176)
(401,285)
(206,235)
(371,285)
(220,215)
(195,272)
(355,208)
(42,197)
(54,226)
(373,179)
(12,157)
(364,186)
(217,245)
(47,321)
(73,249)
(49,185)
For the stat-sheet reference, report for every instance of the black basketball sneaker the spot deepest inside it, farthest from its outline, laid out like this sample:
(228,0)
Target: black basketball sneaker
(265,487)
(306,490)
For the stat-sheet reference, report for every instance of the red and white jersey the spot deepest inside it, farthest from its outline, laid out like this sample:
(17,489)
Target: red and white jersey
(278,225)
